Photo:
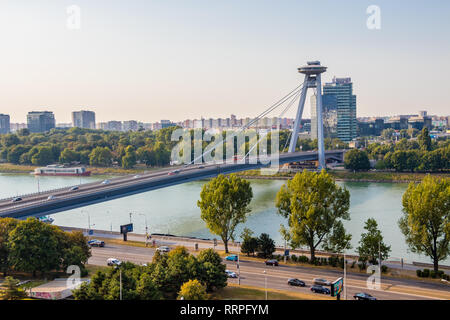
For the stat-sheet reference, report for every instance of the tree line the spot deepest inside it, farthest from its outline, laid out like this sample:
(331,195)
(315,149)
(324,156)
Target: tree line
(32,246)
(414,155)
(169,276)
(103,148)
(315,208)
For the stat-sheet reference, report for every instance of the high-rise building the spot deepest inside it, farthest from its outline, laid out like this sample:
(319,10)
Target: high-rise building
(342,89)
(40,121)
(166,124)
(329,116)
(4,123)
(83,119)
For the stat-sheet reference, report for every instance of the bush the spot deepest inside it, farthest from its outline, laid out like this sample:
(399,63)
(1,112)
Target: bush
(419,273)
(384,269)
(303,259)
(294,258)
(426,273)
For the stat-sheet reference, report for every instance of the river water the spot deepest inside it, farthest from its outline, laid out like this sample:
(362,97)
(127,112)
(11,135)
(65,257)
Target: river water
(174,209)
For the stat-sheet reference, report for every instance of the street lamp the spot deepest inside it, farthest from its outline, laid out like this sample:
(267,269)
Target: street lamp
(265,282)
(146,229)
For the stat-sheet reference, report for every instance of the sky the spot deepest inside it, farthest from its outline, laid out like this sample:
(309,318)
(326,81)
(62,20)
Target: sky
(184,59)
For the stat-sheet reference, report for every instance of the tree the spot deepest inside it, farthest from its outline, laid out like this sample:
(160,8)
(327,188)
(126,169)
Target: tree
(34,246)
(211,270)
(100,157)
(249,243)
(371,244)
(338,241)
(424,139)
(356,160)
(68,156)
(43,157)
(266,246)
(11,290)
(426,219)
(387,134)
(224,203)
(192,290)
(6,226)
(129,159)
(313,205)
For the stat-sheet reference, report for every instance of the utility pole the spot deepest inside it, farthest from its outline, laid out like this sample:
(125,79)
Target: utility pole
(239,271)
(345,278)
(265,282)
(120,270)
(284,250)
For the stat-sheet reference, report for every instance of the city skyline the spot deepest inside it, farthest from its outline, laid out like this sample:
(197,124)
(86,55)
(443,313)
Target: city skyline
(130,68)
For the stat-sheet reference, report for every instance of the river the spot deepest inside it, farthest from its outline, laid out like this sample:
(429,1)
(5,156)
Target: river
(174,209)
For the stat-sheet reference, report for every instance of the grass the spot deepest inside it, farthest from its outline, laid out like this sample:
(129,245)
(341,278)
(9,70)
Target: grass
(92,269)
(243,292)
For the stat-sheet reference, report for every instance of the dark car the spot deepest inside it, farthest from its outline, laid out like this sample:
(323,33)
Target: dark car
(320,289)
(296,283)
(363,296)
(16,199)
(272,262)
(74,188)
(96,243)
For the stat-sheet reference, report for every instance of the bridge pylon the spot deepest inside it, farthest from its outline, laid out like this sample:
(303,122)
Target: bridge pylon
(312,72)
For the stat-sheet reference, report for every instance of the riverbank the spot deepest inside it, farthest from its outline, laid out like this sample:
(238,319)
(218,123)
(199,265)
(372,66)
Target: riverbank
(17,168)
(343,175)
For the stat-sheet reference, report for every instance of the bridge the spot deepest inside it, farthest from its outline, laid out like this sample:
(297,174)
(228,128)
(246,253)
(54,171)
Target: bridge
(38,204)
(63,199)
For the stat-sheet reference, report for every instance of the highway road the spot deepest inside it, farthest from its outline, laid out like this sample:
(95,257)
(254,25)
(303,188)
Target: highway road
(252,275)
(38,204)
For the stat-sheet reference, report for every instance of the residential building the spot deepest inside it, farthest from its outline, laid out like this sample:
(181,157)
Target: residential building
(83,119)
(4,123)
(40,121)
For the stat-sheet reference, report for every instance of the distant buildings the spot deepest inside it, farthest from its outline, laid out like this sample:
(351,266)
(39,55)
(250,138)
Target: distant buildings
(346,124)
(83,119)
(4,124)
(130,125)
(329,116)
(40,121)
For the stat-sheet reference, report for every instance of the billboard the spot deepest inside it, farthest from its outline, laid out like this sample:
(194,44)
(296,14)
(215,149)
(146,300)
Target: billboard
(337,287)
(126,228)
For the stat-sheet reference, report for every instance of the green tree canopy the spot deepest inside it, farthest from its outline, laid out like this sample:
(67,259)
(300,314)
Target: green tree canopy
(371,243)
(313,205)
(9,290)
(192,290)
(426,219)
(356,160)
(224,203)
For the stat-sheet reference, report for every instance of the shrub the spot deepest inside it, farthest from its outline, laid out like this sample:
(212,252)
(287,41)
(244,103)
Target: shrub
(384,269)
(426,273)
(419,273)
(294,258)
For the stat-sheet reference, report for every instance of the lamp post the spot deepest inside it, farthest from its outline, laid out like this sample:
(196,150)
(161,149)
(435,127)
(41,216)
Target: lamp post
(265,282)
(146,229)
(345,278)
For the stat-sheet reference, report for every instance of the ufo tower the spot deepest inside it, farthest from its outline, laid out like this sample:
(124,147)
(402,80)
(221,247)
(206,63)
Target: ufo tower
(312,72)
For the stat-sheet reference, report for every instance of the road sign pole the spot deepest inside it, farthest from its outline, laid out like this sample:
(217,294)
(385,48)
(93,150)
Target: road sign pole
(345,278)
(239,271)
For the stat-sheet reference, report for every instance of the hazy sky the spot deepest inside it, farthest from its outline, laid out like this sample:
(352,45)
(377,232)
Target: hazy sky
(178,59)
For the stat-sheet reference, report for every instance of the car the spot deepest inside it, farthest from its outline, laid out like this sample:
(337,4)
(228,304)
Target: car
(113,262)
(231,274)
(321,282)
(320,289)
(51,197)
(171,173)
(73,188)
(296,282)
(271,262)
(105,182)
(137,176)
(96,243)
(16,199)
(363,296)
(163,249)
(232,257)
(201,167)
